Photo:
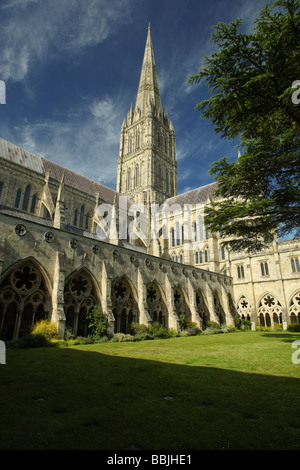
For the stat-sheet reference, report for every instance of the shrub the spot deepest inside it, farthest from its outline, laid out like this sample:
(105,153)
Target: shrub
(138,328)
(35,340)
(294,327)
(45,328)
(182,322)
(121,337)
(172,333)
(157,330)
(237,321)
(98,325)
(245,324)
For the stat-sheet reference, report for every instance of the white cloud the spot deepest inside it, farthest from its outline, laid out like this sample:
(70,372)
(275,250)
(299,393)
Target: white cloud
(86,140)
(36,30)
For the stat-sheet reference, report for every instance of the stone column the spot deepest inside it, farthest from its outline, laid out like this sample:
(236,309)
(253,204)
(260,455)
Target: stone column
(144,316)
(106,302)
(173,320)
(58,313)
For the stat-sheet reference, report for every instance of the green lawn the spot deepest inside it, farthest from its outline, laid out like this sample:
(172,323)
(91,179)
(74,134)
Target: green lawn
(228,391)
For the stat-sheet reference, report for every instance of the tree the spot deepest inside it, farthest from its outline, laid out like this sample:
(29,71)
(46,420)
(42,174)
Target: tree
(252,79)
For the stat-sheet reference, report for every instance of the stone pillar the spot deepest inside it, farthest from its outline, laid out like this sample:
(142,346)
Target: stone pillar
(211,306)
(58,313)
(195,317)
(173,320)
(106,302)
(144,316)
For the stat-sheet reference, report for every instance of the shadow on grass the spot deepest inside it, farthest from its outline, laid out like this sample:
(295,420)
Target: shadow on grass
(286,337)
(63,399)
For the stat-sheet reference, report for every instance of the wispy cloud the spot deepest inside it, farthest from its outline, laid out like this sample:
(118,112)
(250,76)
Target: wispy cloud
(37,30)
(85,140)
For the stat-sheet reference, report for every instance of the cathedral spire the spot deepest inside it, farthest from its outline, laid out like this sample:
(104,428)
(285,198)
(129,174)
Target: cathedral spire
(148,90)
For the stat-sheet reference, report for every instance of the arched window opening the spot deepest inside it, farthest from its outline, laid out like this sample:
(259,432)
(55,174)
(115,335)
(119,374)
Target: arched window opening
(124,306)
(81,217)
(24,300)
(202,308)
(270,308)
(294,308)
(18,198)
(128,179)
(156,305)
(26,198)
(80,298)
(181,306)
(219,312)
(75,222)
(33,203)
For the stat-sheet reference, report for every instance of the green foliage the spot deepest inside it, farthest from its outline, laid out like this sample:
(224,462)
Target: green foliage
(35,340)
(294,327)
(121,338)
(157,330)
(45,328)
(98,325)
(172,333)
(250,79)
(182,322)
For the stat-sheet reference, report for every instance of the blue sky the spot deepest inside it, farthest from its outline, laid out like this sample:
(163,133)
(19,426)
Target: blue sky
(72,67)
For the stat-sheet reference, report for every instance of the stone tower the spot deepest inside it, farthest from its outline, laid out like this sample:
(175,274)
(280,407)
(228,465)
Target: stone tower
(147,167)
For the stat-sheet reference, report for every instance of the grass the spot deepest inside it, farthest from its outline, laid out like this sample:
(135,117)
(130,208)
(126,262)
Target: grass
(237,391)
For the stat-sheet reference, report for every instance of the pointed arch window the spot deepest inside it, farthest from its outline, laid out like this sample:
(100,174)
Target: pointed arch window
(240,271)
(137,176)
(295,265)
(33,203)
(167,181)
(201,229)
(264,267)
(75,217)
(178,234)
(171,184)
(18,198)
(81,217)
(26,198)
(128,179)
(87,221)
(130,144)
(173,236)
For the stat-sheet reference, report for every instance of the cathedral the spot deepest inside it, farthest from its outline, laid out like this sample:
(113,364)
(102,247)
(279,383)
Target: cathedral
(142,251)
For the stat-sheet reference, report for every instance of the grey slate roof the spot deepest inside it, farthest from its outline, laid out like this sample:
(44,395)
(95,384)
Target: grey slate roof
(40,165)
(196,196)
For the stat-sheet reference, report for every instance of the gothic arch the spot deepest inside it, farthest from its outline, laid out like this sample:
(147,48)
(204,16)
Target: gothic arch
(81,294)
(269,310)
(294,307)
(156,304)
(201,306)
(124,304)
(244,308)
(180,302)
(219,311)
(24,298)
